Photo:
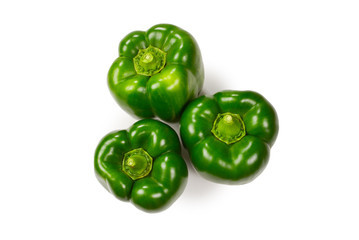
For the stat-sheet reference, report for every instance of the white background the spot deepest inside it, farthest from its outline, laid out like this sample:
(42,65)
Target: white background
(303,56)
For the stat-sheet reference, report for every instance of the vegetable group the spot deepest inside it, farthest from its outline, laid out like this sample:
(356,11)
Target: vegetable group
(143,165)
(229,135)
(157,72)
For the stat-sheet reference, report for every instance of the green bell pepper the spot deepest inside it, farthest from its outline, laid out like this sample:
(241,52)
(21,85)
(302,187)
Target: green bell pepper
(229,135)
(157,72)
(142,165)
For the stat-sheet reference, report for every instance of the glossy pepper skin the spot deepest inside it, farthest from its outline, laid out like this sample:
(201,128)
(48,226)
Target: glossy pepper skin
(229,135)
(157,72)
(163,179)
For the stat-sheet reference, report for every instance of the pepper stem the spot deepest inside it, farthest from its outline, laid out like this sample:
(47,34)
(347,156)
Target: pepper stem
(149,61)
(137,163)
(131,162)
(147,58)
(228,128)
(228,120)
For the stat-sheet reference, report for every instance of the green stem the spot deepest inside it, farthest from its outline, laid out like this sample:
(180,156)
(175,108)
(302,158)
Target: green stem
(228,128)
(149,61)
(147,58)
(137,163)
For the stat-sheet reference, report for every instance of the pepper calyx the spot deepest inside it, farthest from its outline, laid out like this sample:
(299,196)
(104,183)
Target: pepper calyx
(228,127)
(149,61)
(137,163)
